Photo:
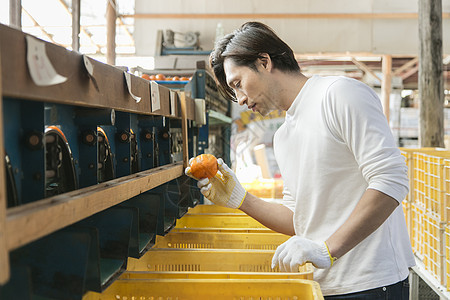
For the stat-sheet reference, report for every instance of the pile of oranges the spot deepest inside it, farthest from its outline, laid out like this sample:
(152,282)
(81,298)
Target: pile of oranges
(162,77)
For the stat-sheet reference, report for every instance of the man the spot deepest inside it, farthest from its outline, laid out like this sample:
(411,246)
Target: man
(343,175)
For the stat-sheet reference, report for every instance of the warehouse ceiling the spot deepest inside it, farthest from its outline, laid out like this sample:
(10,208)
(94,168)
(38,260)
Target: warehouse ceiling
(54,25)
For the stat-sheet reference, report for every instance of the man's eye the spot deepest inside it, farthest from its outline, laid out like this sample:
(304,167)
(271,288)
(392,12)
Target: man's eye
(238,84)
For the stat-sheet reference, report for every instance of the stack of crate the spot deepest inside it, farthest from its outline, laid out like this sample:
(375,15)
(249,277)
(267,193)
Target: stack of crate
(213,253)
(426,209)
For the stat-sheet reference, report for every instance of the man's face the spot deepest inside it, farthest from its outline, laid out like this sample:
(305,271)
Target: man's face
(251,87)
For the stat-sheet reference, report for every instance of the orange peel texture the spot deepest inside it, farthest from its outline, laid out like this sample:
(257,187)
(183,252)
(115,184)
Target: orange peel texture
(204,166)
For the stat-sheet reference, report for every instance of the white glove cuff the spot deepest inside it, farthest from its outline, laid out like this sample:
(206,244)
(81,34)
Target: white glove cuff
(324,258)
(237,197)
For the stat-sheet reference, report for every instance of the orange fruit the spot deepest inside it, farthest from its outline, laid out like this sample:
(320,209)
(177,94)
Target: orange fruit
(176,78)
(152,77)
(204,166)
(160,77)
(184,79)
(146,76)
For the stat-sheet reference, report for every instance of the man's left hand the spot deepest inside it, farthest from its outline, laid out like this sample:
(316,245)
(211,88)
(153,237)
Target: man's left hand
(297,251)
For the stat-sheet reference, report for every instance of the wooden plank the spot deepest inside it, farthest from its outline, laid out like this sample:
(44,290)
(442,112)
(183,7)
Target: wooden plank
(365,68)
(410,72)
(29,222)
(406,66)
(386,67)
(431,93)
(111,16)
(184,129)
(4,257)
(76,14)
(278,16)
(15,13)
(79,89)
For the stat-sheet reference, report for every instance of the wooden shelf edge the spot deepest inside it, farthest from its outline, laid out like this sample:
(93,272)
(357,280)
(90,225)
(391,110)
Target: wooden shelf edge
(30,222)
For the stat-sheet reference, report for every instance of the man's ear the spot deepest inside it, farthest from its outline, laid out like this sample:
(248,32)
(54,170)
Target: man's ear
(265,61)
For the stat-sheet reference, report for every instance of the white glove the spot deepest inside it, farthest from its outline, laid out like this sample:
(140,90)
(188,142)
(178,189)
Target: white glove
(297,251)
(223,189)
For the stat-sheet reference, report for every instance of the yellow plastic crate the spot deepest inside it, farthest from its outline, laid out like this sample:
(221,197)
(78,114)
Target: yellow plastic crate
(447,188)
(214,209)
(408,154)
(221,229)
(419,178)
(429,181)
(217,289)
(212,275)
(417,226)
(406,205)
(447,256)
(224,240)
(434,247)
(435,184)
(420,171)
(209,260)
(218,221)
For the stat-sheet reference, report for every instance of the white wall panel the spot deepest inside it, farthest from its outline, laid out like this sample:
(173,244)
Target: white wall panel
(383,36)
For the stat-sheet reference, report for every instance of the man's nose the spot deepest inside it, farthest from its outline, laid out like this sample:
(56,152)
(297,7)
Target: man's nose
(242,98)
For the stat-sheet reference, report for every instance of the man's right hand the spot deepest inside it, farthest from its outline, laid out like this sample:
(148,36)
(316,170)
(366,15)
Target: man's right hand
(223,189)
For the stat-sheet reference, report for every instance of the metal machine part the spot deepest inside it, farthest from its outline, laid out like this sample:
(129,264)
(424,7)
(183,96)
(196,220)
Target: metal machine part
(135,167)
(60,176)
(177,144)
(183,39)
(11,190)
(105,159)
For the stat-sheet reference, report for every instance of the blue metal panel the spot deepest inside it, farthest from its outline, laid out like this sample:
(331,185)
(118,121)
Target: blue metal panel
(47,259)
(12,130)
(33,154)
(63,116)
(147,221)
(203,136)
(19,285)
(135,145)
(147,138)
(88,157)
(114,226)
(163,140)
(123,146)
(200,83)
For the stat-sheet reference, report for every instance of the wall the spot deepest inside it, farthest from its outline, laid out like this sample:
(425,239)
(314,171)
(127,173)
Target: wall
(305,35)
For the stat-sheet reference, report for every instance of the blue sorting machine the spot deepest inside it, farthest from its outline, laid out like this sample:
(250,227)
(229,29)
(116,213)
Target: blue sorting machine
(65,142)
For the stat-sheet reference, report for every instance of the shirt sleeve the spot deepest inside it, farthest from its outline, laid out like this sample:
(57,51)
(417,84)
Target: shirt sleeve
(288,200)
(355,117)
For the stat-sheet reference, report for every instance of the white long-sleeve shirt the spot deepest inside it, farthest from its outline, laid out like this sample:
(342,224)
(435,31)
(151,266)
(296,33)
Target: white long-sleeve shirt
(334,144)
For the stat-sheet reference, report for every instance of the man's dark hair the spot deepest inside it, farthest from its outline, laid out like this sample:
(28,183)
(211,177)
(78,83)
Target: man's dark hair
(244,46)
